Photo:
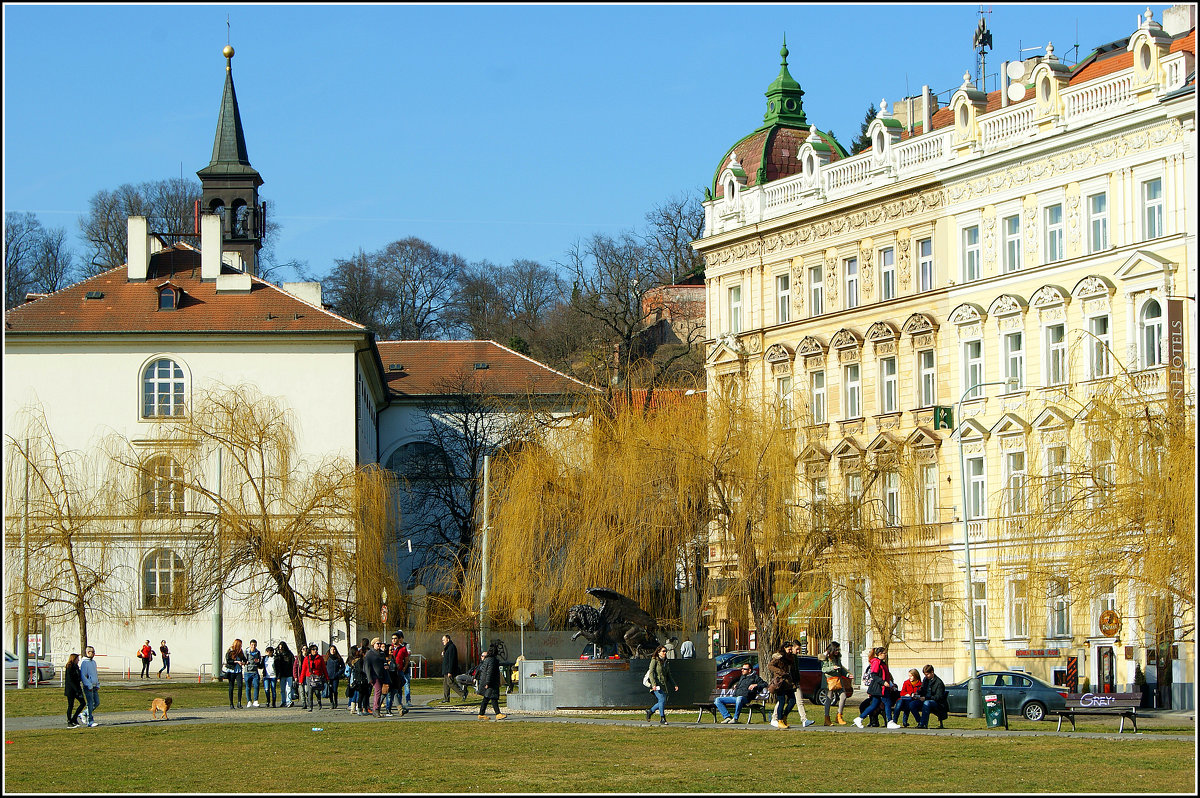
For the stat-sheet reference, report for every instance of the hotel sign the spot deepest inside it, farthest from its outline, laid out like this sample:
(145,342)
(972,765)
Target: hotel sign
(1037,652)
(1176,354)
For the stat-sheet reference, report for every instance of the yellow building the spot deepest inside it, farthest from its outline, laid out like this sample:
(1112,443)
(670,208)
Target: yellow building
(1040,234)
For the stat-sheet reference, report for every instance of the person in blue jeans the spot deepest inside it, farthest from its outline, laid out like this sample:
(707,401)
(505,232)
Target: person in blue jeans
(660,678)
(746,689)
(285,660)
(251,673)
(881,683)
(91,684)
(933,695)
(269,677)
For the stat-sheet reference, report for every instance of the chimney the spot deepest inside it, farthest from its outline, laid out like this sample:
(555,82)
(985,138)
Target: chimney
(210,246)
(1004,84)
(926,110)
(138,257)
(1178,19)
(309,292)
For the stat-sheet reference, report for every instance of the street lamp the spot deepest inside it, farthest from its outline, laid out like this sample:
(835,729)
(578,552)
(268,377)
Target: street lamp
(974,693)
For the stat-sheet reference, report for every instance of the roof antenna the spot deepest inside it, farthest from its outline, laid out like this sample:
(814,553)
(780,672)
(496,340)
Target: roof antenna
(981,43)
(227,29)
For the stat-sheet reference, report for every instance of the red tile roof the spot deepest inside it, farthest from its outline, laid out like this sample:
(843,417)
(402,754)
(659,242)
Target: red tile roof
(132,307)
(430,368)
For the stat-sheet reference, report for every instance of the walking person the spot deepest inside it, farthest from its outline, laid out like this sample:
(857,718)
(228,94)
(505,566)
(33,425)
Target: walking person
(297,680)
(836,677)
(688,649)
(402,655)
(145,655)
(781,686)
(335,669)
(354,680)
(251,673)
(879,681)
(284,660)
(91,684)
(235,659)
(660,677)
(804,721)
(373,666)
(489,682)
(269,677)
(450,669)
(73,690)
(314,677)
(165,653)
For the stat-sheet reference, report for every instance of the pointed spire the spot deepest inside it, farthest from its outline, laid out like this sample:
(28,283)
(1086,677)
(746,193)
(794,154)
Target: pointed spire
(229,155)
(784,103)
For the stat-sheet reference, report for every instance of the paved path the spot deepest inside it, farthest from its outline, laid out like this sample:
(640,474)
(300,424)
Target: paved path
(424,710)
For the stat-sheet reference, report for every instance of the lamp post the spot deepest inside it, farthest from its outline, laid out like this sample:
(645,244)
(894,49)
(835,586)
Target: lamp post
(974,693)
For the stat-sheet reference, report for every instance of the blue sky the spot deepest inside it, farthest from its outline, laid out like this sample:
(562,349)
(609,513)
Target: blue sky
(493,131)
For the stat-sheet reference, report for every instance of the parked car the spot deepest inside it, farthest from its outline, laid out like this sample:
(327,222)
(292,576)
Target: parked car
(45,670)
(729,670)
(1022,694)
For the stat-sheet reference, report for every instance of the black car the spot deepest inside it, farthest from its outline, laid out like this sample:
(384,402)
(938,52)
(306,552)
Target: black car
(1022,694)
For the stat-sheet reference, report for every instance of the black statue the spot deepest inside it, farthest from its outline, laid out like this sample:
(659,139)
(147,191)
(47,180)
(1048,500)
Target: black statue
(619,621)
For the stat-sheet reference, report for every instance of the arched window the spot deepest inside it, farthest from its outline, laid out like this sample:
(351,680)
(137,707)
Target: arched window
(420,461)
(162,389)
(167,299)
(239,219)
(162,579)
(1150,327)
(162,486)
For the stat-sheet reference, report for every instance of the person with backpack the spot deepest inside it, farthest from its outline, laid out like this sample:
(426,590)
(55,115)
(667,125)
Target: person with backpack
(836,677)
(878,681)
(659,676)
(354,680)
(335,668)
(313,676)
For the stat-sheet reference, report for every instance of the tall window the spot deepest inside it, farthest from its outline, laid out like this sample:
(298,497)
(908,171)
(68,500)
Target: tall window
(1060,609)
(783,298)
(1018,608)
(1012,242)
(891,499)
(1054,233)
(850,267)
(817,388)
(927,367)
(783,394)
(854,495)
(889,385)
(976,488)
(1099,346)
(970,253)
(816,288)
(1056,354)
(1014,359)
(162,578)
(1150,326)
(937,616)
(162,389)
(1014,480)
(1152,209)
(1098,222)
(852,380)
(819,491)
(735,309)
(887,273)
(929,500)
(1056,473)
(979,605)
(162,488)
(973,368)
(1103,474)
(925,264)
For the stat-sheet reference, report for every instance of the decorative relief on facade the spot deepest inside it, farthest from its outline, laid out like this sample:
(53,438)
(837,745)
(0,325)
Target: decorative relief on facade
(1011,442)
(918,323)
(966,313)
(970,330)
(1054,314)
(814,362)
(794,279)
(1011,404)
(1073,220)
(1094,307)
(989,243)
(888,422)
(849,355)
(781,369)
(924,454)
(778,353)
(844,338)
(1093,286)
(881,331)
(923,341)
(754,343)
(1009,323)
(1006,305)
(902,263)
(884,348)
(811,345)
(852,427)
(830,271)
(1031,235)
(973,448)
(866,273)
(923,417)
(1049,296)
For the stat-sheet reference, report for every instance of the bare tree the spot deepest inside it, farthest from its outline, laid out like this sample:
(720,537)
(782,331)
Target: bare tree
(505,303)
(36,259)
(673,226)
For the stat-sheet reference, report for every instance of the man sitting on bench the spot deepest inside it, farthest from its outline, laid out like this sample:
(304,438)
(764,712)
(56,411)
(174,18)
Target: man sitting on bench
(743,691)
(933,698)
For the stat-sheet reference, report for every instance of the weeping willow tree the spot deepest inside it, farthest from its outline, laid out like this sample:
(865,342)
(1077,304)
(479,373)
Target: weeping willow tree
(254,520)
(68,567)
(1106,511)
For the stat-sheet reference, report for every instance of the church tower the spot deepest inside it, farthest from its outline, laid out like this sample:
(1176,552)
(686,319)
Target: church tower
(229,184)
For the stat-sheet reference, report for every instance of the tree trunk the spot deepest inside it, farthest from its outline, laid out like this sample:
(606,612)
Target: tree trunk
(79,611)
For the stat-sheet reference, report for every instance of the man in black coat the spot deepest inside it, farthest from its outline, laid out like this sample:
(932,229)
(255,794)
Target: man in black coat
(373,665)
(933,695)
(450,669)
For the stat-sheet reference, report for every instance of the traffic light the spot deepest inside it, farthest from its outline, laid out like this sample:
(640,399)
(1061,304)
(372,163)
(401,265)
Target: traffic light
(943,417)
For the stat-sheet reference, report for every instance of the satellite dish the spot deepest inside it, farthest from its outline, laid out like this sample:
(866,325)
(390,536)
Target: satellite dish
(1015,70)
(1016,92)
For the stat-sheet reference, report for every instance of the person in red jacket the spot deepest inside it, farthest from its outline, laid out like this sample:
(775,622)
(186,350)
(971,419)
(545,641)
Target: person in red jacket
(145,655)
(910,698)
(313,676)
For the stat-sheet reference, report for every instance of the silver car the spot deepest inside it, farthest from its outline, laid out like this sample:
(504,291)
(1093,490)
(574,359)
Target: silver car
(45,670)
(1022,694)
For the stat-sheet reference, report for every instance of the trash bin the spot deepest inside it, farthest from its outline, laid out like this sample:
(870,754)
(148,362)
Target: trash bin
(994,711)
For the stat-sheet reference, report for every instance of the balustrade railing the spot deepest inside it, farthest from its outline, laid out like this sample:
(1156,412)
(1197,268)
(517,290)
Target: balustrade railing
(1008,127)
(1088,101)
(845,174)
(920,151)
(784,192)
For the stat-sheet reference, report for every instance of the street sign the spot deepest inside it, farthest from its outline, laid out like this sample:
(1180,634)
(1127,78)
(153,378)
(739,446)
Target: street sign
(943,417)
(1110,623)
(383,614)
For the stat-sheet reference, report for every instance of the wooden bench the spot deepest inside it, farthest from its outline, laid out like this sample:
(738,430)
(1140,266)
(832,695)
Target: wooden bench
(748,707)
(1124,705)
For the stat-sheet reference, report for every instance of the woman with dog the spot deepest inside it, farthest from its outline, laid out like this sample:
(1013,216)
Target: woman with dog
(73,689)
(235,660)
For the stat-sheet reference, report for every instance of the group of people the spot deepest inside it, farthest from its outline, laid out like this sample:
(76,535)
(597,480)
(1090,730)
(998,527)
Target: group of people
(81,684)
(919,697)
(281,677)
(146,655)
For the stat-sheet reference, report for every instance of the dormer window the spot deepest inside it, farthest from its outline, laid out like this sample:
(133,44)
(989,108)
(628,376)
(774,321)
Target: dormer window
(168,298)
(1147,58)
(730,189)
(1044,88)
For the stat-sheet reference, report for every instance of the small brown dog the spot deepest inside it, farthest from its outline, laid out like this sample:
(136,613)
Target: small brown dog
(160,705)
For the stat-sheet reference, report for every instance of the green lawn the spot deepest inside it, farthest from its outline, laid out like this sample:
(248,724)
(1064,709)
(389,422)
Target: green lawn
(501,756)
